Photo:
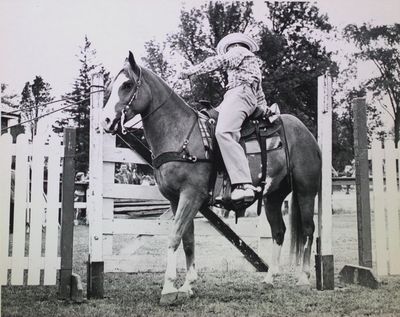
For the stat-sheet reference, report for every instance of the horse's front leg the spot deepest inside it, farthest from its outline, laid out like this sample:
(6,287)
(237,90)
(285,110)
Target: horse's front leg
(189,248)
(185,212)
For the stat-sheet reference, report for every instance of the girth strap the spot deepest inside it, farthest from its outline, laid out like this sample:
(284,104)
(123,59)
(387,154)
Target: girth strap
(182,156)
(262,139)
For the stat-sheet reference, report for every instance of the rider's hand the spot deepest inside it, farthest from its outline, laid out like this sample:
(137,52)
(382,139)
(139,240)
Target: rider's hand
(184,74)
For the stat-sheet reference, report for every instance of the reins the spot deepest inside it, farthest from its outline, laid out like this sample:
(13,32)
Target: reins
(124,130)
(182,155)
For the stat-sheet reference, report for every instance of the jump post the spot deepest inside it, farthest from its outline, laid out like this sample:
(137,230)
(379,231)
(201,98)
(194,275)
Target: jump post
(324,258)
(386,207)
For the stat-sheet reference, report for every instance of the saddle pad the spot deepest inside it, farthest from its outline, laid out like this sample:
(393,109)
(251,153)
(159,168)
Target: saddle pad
(206,133)
(253,147)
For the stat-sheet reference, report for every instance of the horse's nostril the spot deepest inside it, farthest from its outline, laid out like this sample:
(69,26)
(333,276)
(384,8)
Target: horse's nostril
(107,120)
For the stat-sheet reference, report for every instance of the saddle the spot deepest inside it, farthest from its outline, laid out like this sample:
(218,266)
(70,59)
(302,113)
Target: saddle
(258,137)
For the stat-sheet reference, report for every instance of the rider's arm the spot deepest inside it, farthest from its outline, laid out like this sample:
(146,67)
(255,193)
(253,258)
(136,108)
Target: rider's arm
(261,98)
(209,64)
(261,102)
(230,59)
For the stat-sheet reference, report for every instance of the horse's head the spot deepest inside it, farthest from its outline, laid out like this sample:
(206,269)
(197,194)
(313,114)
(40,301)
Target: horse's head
(129,96)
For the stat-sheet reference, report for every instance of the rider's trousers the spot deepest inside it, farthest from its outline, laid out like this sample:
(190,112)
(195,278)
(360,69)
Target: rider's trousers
(239,103)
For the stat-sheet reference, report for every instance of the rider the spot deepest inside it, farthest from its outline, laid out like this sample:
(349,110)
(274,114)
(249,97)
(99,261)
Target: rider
(243,96)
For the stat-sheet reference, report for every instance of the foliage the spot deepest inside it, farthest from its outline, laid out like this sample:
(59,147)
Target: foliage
(199,32)
(10,100)
(33,101)
(78,114)
(155,59)
(294,57)
(381,45)
(291,51)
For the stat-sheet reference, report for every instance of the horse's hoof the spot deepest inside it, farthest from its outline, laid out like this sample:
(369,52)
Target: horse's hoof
(304,286)
(268,285)
(169,298)
(184,295)
(185,290)
(303,281)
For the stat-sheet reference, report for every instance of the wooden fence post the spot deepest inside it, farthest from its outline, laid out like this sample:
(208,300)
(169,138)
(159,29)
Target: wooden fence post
(324,257)
(362,182)
(67,218)
(95,265)
(362,273)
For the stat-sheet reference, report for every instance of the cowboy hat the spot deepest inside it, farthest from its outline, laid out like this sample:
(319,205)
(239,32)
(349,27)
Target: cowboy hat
(236,38)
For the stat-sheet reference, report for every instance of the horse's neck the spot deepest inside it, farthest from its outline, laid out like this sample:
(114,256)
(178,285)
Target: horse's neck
(169,119)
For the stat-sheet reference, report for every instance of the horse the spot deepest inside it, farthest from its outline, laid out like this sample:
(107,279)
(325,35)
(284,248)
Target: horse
(170,124)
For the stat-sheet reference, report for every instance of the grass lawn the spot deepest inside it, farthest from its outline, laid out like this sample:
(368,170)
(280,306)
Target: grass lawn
(218,293)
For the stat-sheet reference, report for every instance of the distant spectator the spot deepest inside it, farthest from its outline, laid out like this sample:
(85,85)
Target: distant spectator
(349,172)
(126,176)
(80,196)
(148,180)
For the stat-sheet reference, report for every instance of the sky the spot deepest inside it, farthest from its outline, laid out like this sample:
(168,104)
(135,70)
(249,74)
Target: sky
(42,37)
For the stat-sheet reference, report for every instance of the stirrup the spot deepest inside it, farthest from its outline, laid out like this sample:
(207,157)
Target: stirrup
(247,194)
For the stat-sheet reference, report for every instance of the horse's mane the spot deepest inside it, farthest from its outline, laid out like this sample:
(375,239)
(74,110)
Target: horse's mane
(160,80)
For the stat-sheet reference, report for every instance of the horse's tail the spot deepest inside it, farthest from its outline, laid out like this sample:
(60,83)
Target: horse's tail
(296,229)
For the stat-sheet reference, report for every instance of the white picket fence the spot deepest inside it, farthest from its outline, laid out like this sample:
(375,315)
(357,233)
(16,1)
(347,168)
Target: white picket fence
(386,196)
(35,247)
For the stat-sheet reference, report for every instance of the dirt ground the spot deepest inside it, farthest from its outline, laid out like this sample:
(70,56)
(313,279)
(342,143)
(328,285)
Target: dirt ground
(222,290)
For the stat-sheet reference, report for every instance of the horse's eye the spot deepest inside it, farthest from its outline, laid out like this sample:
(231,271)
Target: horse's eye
(127,85)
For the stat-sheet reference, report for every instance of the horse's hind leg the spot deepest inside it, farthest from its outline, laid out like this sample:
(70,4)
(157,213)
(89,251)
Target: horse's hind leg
(189,248)
(273,203)
(306,207)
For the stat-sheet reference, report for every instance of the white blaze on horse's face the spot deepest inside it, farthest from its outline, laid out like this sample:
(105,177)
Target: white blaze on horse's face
(112,110)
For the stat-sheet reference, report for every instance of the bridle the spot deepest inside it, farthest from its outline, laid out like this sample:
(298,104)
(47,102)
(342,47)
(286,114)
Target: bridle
(182,155)
(121,120)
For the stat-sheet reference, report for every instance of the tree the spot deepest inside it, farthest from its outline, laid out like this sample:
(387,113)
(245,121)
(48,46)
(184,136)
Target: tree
(156,61)
(292,52)
(78,114)
(33,101)
(199,32)
(294,57)
(10,100)
(381,44)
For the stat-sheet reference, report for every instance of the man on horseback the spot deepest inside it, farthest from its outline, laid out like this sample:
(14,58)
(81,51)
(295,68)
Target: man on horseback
(243,96)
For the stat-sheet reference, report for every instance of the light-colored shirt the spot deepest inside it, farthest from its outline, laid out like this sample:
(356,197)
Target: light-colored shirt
(241,65)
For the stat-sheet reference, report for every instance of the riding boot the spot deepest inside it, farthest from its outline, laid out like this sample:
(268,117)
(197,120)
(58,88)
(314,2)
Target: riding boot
(243,192)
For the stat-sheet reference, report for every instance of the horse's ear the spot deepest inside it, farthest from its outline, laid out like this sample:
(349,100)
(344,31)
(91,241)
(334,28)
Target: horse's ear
(133,64)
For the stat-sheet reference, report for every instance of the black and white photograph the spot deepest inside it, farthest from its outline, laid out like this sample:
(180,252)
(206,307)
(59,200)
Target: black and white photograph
(199,158)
